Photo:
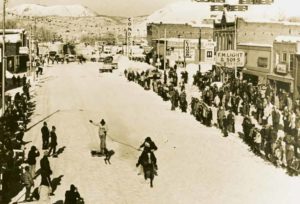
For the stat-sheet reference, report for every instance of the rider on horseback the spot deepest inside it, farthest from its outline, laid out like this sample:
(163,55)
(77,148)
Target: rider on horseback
(148,148)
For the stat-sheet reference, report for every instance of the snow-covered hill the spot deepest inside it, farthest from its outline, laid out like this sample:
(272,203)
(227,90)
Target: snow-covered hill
(76,10)
(194,13)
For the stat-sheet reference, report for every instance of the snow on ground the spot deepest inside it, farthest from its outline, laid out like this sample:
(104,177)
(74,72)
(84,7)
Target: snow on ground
(196,164)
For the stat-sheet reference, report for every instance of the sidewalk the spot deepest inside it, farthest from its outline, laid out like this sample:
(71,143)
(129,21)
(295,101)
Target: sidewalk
(12,92)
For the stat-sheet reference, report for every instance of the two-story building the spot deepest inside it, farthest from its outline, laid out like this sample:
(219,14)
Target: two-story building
(15,40)
(283,75)
(258,62)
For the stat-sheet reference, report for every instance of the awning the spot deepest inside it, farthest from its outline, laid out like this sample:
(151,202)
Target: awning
(256,73)
(286,79)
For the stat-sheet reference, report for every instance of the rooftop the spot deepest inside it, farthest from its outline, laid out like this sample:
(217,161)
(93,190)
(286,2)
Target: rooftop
(255,44)
(289,39)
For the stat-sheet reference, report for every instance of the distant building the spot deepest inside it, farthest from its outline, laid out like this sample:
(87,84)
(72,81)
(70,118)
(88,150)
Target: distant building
(184,31)
(176,35)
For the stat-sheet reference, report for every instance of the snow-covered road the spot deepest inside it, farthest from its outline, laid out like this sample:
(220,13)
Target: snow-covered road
(196,164)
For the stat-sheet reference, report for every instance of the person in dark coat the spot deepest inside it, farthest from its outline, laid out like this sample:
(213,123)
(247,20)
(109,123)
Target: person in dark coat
(14,81)
(53,142)
(45,170)
(45,136)
(182,101)
(72,196)
(18,81)
(231,122)
(209,117)
(148,147)
(275,118)
(31,160)
(24,79)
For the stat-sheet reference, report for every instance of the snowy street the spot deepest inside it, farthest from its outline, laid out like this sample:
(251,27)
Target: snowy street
(195,163)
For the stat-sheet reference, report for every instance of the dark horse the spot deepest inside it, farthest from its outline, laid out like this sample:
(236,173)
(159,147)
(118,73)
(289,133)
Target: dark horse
(148,162)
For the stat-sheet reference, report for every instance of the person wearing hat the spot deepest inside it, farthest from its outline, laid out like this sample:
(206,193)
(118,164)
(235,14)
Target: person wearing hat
(102,131)
(45,136)
(45,170)
(31,159)
(53,142)
(148,147)
(72,196)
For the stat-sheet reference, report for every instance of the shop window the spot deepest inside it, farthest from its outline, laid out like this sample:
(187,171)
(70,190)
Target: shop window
(284,57)
(262,62)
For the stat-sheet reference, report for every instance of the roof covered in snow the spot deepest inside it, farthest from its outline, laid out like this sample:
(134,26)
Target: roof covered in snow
(11,38)
(289,39)
(255,44)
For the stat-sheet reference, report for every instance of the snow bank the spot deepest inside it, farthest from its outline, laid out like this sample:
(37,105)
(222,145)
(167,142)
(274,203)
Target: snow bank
(125,63)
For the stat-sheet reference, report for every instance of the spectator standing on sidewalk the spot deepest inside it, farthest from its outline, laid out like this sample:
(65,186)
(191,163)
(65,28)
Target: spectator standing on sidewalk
(53,142)
(28,181)
(45,136)
(32,155)
(45,170)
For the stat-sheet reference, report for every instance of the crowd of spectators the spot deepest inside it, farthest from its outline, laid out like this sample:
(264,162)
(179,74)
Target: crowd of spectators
(270,124)
(13,125)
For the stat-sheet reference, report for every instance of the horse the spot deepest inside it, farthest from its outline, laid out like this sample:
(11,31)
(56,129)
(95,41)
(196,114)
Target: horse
(148,162)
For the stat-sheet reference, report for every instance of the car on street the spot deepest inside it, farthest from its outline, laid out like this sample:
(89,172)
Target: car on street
(105,68)
(70,58)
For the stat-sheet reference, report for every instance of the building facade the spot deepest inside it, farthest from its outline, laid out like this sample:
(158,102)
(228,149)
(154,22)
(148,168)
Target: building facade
(15,40)
(283,75)
(258,62)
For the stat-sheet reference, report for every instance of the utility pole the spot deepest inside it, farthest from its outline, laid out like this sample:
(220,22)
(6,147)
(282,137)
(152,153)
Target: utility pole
(3,59)
(165,49)
(235,45)
(30,52)
(200,38)
(158,45)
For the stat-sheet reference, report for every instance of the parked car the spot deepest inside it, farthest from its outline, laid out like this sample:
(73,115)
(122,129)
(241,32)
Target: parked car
(70,58)
(105,68)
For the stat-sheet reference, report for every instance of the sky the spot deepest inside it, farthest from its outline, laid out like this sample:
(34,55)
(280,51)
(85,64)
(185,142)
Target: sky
(107,7)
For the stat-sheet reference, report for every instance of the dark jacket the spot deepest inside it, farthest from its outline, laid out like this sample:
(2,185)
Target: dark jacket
(71,197)
(45,131)
(32,154)
(45,166)
(53,138)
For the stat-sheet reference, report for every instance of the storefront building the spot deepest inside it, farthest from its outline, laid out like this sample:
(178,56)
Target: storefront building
(258,62)
(284,70)
(15,40)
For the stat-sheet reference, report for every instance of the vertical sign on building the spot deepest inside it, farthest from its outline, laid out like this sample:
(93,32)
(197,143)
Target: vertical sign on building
(186,48)
(129,35)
